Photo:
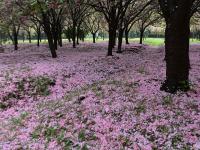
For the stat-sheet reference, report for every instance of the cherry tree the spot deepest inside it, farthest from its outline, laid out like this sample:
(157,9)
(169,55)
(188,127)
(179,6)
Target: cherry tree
(177,16)
(77,10)
(49,15)
(112,10)
(37,28)
(27,26)
(129,19)
(148,18)
(93,23)
(11,19)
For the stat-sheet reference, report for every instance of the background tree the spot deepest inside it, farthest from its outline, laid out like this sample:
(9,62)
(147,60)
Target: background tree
(77,10)
(112,10)
(49,15)
(93,22)
(11,18)
(37,28)
(147,18)
(129,19)
(27,26)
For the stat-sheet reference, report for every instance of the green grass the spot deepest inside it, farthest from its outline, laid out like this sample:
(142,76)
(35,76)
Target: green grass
(148,41)
(26,42)
(159,41)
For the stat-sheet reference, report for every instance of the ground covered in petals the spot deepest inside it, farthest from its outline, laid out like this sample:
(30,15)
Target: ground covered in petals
(85,100)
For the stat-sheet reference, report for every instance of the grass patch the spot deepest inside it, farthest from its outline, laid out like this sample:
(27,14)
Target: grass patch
(37,132)
(97,88)
(142,70)
(140,108)
(50,133)
(162,129)
(81,135)
(158,41)
(31,86)
(26,87)
(176,140)
(148,41)
(125,141)
(167,101)
(19,121)
(37,85)
(3,105)
(84,147)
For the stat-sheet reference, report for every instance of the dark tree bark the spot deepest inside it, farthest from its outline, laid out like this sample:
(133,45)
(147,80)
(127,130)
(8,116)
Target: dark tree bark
(52,46)
(60,42)
(114,37)
(38,36)
(29,36)
(110,45)
(141,36)
(127,36)
(103,37)
(78,34)
(77,40)
(94,37)
(23,37)
(112,32)
(55,36)
(120,39)
(49,34)
(177,48)
(69,39)
(74,35)
(60,34)
(15,36)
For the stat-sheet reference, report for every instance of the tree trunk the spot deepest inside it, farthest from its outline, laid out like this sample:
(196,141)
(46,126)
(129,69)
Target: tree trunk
(23,37)
(55,41)
(60,35)
(74,35)
(52,46)
(127,36)
(177,51)
(110,43)
(77,35)
(15,37)
(38,37)
(94,37)
(60,39)
(77,40)
(55,36)
(114,37)
(29,36)
(141,35)
(120,39)
(49,35)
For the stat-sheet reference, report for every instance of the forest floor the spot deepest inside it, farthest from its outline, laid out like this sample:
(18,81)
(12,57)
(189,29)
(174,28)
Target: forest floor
(85,100)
